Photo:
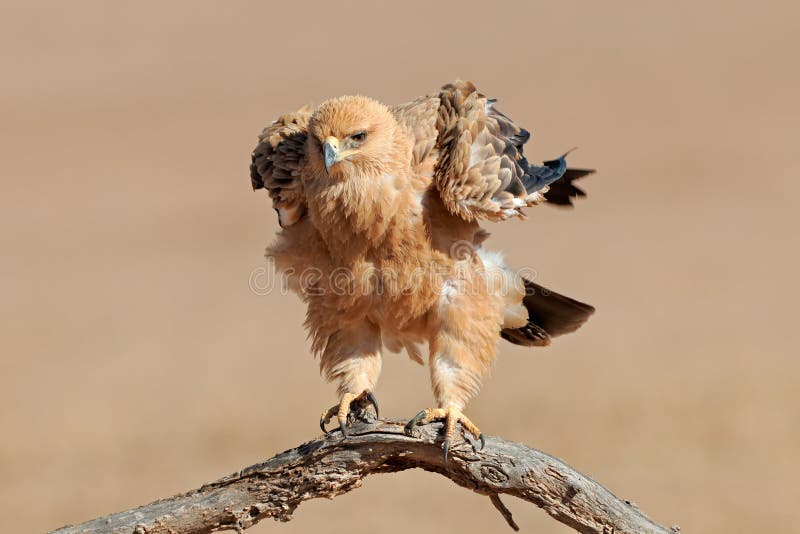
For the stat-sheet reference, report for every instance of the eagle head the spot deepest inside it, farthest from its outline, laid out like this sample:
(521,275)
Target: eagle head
(352,137)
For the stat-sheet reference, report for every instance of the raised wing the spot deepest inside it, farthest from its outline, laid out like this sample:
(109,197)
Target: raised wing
(474,155)
(277,162)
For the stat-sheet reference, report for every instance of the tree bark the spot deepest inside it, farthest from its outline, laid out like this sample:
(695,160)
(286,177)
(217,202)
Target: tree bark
(329,466)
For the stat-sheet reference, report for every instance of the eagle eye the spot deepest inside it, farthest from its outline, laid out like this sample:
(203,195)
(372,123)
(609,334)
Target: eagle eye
(359,137)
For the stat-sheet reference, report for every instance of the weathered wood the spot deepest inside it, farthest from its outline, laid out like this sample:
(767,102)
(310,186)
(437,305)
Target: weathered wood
(329,466)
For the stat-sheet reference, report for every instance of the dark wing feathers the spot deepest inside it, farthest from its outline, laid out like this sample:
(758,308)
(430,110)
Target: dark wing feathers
(562,192)
(538,178)
(277,161)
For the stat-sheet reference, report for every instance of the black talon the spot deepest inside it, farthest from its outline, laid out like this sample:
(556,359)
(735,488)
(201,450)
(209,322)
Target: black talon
(343,428)
(374,401)
(446,448)
(322,425)
(408,430)
(483,441)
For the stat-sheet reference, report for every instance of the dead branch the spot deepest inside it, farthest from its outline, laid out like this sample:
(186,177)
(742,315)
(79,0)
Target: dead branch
(329,466)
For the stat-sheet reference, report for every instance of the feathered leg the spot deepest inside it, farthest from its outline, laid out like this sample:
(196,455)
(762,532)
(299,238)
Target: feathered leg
(463,346)
(352,357)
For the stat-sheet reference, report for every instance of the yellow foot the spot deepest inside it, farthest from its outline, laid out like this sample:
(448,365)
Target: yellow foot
(451,416)
(342,410)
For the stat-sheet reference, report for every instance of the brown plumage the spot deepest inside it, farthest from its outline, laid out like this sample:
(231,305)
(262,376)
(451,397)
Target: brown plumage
(379,210)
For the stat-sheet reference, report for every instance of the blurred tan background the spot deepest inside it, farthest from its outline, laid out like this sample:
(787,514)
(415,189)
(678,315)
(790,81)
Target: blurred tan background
(135,361)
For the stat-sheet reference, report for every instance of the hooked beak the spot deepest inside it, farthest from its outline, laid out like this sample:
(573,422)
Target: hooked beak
(330,152)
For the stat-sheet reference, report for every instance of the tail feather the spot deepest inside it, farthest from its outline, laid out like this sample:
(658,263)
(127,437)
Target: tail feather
(549,315)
